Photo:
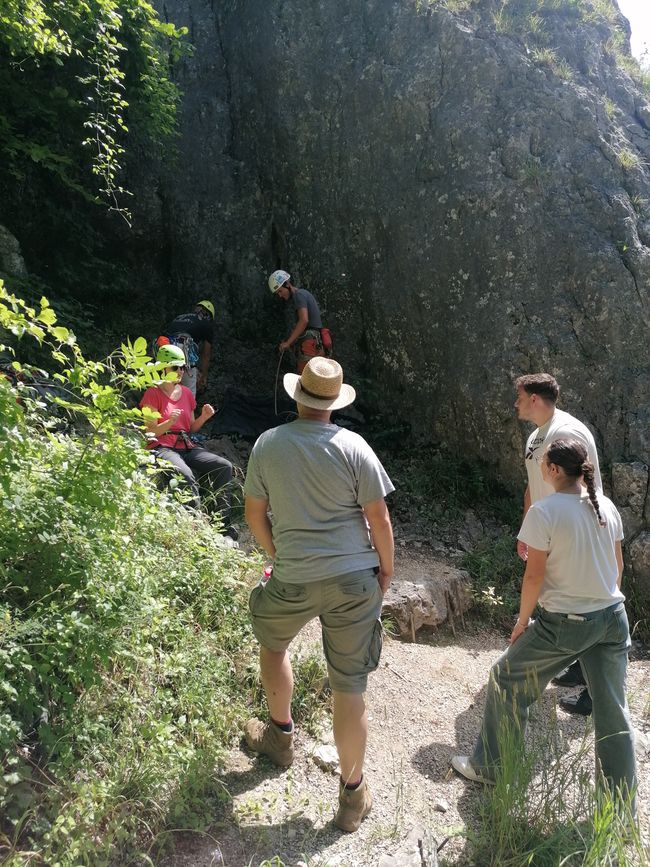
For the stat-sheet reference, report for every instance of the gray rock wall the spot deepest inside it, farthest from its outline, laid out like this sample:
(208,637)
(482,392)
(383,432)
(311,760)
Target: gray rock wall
(464,209)
(461,210)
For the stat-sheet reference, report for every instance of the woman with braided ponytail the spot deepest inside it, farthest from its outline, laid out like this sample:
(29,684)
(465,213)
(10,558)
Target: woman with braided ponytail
(573,571)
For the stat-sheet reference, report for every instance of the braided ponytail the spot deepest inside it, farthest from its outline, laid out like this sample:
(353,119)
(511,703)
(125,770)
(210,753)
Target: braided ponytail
(571,456)
(588,475)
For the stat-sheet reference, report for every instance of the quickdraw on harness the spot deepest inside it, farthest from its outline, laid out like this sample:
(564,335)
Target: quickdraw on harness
(186,437)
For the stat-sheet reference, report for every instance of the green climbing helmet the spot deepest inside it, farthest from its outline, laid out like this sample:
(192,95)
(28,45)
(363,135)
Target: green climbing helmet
(172,356)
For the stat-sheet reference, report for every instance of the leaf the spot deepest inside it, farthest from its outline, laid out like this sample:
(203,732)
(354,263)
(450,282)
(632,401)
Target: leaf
(47,316)
(62,334)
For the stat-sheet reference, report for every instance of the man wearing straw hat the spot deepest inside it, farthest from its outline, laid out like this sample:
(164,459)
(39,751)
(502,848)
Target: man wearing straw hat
(331,542)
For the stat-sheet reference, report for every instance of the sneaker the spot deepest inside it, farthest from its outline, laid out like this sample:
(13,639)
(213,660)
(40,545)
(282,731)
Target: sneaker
(268,740)
(571,676)
(354,806)
(230,533)
(463,766)
(579,704)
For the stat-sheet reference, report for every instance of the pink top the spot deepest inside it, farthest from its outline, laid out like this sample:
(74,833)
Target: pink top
(156,398)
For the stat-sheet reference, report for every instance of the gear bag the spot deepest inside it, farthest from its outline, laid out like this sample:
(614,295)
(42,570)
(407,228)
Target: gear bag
(326,341)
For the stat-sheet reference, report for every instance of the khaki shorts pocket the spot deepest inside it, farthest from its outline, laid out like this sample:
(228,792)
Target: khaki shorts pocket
(374,649)
(287,592)
(255,594)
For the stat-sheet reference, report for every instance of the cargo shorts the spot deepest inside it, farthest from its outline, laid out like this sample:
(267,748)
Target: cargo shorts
(349,608)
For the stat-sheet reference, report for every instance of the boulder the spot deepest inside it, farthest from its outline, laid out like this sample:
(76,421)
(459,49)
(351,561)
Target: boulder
(426,593)
(639,560)
(11,260)
(629,491)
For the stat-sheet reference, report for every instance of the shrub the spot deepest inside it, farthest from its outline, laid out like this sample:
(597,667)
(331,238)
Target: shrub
(124,636)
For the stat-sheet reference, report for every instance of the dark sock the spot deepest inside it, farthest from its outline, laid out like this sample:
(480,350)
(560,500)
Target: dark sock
(352,786)
(283,726)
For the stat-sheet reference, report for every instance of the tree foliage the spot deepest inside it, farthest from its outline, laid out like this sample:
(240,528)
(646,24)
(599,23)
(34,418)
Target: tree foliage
(75,75)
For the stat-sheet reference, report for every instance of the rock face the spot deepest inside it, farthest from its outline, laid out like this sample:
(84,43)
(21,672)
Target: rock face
(465,206)
(465,189)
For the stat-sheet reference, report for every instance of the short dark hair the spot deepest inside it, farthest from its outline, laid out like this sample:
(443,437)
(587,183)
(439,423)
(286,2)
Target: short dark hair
(542,384)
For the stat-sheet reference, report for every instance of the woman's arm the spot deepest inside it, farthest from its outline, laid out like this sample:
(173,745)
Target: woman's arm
(198,421)
(530,590)
(158,428)
(619,562)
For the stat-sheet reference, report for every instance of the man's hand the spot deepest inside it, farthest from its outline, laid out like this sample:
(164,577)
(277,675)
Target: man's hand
(384,580)
(522,550)
(207,411)
(284,346)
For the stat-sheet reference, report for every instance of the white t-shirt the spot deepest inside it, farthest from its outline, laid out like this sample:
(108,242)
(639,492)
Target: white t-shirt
(317,477)
(561,425)
(581,568)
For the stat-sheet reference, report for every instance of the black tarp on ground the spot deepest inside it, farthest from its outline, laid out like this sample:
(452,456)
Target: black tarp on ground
(250,415)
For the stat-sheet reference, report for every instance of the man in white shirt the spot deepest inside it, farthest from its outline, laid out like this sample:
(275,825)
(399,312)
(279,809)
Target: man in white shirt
(537,395)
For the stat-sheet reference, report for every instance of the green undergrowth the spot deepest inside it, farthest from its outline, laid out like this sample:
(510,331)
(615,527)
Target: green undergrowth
(545,809)
(435,492)
(436,486)
(126,655)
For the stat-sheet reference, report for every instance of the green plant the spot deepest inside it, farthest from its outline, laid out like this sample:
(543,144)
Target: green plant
(610,107)
(496,573)
(546,56)
(638,203)
(544,809)
(627,159)
(124,634)
(78,75)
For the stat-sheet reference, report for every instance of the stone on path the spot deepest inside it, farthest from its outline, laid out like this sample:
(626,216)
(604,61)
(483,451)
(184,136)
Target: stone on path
(426,592)
(419,849)
(326,757)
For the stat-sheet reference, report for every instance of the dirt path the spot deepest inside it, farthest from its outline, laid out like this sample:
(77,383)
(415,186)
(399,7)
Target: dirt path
(425,703)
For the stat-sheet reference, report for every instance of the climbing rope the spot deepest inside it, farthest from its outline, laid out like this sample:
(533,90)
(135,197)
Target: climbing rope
(277,374)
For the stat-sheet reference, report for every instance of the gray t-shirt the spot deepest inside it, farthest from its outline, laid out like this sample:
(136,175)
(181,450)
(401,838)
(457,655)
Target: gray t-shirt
(303,298)
(317,477)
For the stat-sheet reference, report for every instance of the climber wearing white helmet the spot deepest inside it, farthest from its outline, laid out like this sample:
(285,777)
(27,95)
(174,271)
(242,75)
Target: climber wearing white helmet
(308,335)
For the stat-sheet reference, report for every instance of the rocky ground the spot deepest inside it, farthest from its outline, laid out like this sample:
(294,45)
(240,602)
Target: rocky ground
(425,704)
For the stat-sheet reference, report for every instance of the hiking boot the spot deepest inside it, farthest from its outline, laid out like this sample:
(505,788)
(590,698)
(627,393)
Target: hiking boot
(571,676)
(580,704)
(354,806)
(268,740)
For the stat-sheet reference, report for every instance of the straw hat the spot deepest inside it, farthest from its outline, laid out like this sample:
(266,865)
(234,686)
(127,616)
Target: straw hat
(320,386)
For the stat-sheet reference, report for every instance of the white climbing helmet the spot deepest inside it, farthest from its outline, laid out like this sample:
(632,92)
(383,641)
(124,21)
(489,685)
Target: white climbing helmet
(277,279)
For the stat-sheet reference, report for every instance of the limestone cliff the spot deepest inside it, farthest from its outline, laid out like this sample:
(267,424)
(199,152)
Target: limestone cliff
(464,185)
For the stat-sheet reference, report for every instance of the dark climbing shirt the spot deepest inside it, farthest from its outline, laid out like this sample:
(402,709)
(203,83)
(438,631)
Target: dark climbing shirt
(303,298)
(191,323)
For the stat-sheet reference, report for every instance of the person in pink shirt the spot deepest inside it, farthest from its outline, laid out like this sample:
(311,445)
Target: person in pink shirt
(170,436)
